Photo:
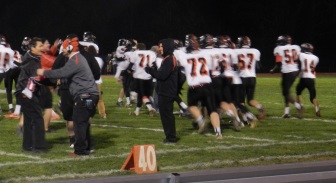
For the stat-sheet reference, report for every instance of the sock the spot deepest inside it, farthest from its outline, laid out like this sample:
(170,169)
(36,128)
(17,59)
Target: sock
(199,120)
(128,100)
(137,109)
(149,106)
(17,109)
(10,106)
(287,110)
(119,99)
(230,113)
(317,108)
(183,105)
(259,106)
(217,130)
(297,105)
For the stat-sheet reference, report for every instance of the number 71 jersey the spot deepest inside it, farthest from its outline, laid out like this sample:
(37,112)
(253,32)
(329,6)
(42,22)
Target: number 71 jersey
(142,59)
(196,69)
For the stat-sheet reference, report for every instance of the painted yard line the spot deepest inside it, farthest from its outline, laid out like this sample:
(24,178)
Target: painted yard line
(305,119)
(189,166)
(62,176)
(19,155)
(46,161)
(125,127)
(124,155)
(160,130)
(250,160)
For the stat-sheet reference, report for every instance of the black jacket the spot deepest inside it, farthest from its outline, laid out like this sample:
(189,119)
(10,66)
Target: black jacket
(30,63)
(167,74)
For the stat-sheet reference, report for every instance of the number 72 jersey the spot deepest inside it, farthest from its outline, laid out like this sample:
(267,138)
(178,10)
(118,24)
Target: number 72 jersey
(196,69)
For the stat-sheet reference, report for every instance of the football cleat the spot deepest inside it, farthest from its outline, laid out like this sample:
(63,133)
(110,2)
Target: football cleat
(286,116)
(219,136)
(318,113)
(202,126)
(152,112)
(300,112)
(236,124)
(120,104)
(261,114)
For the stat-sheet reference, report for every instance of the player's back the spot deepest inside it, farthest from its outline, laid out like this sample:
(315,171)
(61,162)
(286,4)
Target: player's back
(142,59)
(308,65)
(289,56)
(196,69)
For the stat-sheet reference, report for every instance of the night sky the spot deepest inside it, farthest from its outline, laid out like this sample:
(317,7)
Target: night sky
(148,21)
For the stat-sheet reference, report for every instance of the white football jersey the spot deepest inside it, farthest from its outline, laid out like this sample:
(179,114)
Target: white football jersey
(247,58)
(213,63)
(308,65)
(120,51)
(178,52)
(142,59)
(289,55)
(4,65)
(123,64)
(195,66)
(228,58)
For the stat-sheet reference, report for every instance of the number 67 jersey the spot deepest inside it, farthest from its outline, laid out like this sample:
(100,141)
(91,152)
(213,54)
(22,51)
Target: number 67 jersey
(195,65)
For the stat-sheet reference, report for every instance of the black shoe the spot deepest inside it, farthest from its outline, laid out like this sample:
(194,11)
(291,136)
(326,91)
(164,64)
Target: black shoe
(173,140)
(40,151)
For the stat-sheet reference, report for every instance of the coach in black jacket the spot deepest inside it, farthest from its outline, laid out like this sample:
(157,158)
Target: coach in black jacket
(166,77)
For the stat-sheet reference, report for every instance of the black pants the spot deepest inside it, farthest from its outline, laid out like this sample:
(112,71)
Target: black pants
(81,116)
(166,105)
(10,79)
(33,125)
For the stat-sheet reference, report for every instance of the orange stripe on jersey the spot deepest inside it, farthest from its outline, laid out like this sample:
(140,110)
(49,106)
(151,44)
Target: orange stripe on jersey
(278,58)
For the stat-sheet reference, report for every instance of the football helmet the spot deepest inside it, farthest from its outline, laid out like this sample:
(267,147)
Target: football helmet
(307,47)
(206,40)
(191,43)
(224,42)
(283,40)
(122,42)
(243,42)
(3,40)
(178,43)
(25,45)
(89,37)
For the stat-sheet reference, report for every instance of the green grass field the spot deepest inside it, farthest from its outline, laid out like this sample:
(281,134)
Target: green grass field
(274,141)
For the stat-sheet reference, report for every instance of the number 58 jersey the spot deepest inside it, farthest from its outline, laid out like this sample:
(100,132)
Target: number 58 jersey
(196,69)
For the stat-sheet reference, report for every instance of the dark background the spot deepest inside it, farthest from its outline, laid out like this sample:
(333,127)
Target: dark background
(148,21)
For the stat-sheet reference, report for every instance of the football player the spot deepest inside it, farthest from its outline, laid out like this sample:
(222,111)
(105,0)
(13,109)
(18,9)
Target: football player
(140,59)
(248,58)
(221,87)
(286,58)
(199,82)
(308,62)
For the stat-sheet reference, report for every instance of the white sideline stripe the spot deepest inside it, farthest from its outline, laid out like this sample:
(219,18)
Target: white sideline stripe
(124,155)
(126,127)
(250,160)
(19,155)
(194,165)
(62,176)
(80,158)
(243,146)
(306,119)
(161,130)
